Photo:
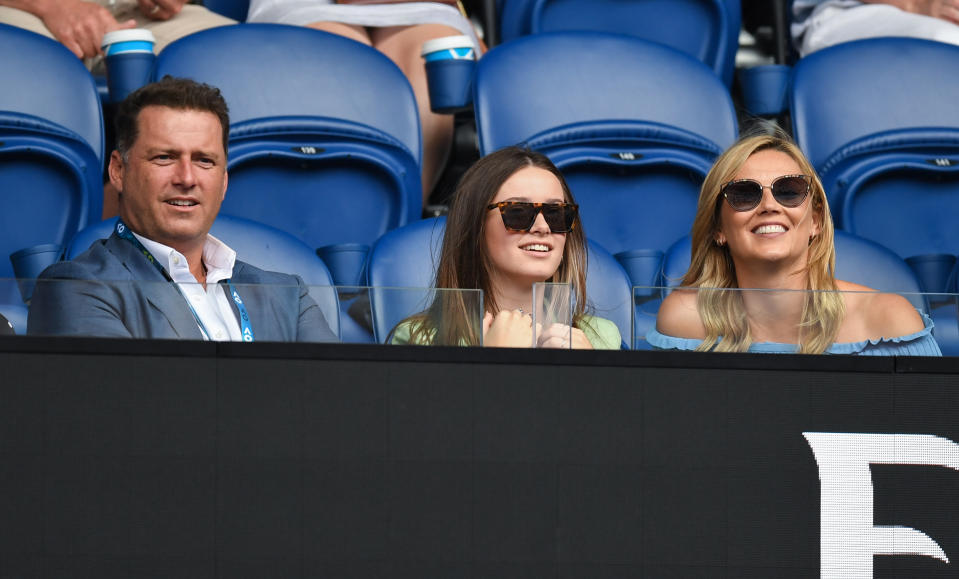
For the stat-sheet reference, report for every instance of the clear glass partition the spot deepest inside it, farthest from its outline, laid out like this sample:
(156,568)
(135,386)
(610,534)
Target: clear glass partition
(253,312)
(427,316)
(770,321)
(552,315)
(163,310)
(414,316)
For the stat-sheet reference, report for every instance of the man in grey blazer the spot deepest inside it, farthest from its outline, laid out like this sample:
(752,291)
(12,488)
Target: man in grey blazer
(160,274)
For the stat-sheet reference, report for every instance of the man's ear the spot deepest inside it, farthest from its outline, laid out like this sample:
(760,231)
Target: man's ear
(226,179)
(115,170)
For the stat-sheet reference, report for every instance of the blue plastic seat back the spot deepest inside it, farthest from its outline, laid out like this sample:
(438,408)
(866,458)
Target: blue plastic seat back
(235,9)
(400,271)
(257,244)
(538,83)
(51,146)
(645,205)
(408,257)
(325,137)
(844,93)
(858,261)
(878,120)
(41,69)
(633,125)
(86,236)
(905,202)
(707,30)
(609,290)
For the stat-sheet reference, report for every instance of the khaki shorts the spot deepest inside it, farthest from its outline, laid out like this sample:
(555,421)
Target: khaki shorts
(191,19)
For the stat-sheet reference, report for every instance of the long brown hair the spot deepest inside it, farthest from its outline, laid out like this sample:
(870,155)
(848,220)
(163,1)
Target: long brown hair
(465,262)
(711,265)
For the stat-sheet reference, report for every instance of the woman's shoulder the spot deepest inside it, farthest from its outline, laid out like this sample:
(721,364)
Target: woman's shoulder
(410,332)
(678,315)
(872,315)
(401,333)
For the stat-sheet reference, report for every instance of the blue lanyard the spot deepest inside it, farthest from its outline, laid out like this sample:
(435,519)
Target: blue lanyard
(246,328)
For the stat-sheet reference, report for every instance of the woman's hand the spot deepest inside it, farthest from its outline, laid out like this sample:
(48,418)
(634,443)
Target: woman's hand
(508,329)
(563,336)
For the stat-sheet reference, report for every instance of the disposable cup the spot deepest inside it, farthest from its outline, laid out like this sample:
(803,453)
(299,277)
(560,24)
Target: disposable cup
(450,62)
(129,58)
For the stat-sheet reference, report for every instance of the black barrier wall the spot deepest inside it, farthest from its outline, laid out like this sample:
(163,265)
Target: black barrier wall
(258,460)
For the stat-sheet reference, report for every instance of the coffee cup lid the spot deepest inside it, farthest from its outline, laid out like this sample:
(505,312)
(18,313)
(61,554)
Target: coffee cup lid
(130,35)
(446,43)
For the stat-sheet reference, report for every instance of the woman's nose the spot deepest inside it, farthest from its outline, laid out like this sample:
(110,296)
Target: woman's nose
(539,224)
(768,202)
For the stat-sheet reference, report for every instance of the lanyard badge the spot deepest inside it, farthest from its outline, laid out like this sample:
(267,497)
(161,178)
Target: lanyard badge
(246,328)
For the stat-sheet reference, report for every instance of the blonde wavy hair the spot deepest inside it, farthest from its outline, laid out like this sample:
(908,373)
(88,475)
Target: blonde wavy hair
(711,266)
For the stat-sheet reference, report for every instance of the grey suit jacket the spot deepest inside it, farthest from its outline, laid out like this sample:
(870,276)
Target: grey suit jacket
(279,305)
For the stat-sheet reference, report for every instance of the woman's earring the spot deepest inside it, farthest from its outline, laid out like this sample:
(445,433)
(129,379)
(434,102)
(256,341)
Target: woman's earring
(720,242)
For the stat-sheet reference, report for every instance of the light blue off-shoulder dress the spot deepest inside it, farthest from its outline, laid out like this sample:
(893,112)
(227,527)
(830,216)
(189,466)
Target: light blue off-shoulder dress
(920,343)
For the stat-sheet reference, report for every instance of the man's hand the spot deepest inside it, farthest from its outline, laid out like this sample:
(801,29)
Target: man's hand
(944,9)
(161,9)
(80,26)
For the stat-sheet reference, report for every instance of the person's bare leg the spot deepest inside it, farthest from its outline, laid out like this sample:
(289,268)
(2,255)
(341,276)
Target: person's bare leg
(402,44)
(357,33)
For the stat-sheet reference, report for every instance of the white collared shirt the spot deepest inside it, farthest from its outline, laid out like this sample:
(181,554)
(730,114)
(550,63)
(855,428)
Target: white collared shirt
(212,305)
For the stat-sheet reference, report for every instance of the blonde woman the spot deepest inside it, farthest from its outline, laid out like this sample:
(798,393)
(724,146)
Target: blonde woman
(513,222)
(763,223)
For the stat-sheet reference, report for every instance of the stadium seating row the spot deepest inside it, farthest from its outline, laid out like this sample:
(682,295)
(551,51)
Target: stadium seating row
(634,126)
(406,258)
(401,268)
(635,143)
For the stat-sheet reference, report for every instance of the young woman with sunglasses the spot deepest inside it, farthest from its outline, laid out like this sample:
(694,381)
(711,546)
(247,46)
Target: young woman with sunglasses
(513,222)
(763,223)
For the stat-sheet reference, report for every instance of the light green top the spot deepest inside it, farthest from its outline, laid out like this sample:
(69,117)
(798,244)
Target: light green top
(601,333)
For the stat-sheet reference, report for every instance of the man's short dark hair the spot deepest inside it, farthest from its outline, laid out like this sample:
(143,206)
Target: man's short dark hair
(175,93)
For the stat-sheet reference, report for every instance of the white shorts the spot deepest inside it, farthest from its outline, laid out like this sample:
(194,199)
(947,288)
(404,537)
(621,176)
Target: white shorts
(303,12)
(837,21)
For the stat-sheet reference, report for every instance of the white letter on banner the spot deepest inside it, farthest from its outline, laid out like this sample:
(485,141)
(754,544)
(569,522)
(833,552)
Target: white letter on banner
(848,539)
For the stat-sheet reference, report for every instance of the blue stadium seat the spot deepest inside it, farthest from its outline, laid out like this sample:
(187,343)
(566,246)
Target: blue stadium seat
(403,258)
(51,148)
(879,121)
(707,30)
(407,258)
(235,9)
(325,136)
(633,125)
(257,244)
